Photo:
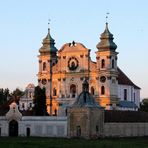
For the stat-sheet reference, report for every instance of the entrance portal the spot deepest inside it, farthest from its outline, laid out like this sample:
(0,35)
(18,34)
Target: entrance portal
(13,128)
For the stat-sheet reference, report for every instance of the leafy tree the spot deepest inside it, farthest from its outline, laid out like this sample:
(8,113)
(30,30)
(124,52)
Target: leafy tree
(4,95)
(40,108)
(144,105)
(17,93)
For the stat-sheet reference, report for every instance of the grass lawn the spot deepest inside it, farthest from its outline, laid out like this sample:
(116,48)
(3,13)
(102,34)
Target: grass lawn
(73,143)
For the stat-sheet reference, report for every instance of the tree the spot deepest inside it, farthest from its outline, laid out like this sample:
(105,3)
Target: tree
(17,93)
(4,95)
(144,105)
(40,108)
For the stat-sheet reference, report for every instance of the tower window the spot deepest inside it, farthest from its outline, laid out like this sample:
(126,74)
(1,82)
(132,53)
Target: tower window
(23,105)
(92,90)
(113,63)
(30,105)
(44,66)
(125,94)
(102,90)
(54,92)
(102,63)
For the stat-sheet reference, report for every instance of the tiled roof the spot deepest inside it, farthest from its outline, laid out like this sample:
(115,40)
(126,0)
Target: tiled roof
(127,104)
(124,80)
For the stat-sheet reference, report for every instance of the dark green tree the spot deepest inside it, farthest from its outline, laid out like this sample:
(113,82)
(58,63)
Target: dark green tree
(4,95)
(17,93)
(144,105)
(40,108)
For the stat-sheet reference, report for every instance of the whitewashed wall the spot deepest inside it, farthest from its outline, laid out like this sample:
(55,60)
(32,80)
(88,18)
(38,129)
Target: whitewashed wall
(4,126)
(43,126)
(39,126)
(130,93)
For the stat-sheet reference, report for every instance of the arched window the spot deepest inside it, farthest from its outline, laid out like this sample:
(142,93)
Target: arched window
(113,63)
(73,90)
(125,94)
(102,63)
(23,105)
(55,112)
(44,66)
(92,90)
(30,95)
(54,92)
(66,112)
(102,90)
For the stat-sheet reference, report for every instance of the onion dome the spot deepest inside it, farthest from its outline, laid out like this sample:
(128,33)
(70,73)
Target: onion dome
(106,42)
(48,45)
(85,99)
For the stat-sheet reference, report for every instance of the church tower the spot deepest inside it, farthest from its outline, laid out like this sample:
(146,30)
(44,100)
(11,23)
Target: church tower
(47,58)
(107,70)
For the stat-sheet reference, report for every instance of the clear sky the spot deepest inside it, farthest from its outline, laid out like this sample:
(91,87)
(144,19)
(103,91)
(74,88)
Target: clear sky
(24,23)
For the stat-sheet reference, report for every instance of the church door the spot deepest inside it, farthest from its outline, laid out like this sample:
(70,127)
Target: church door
(13,128)
(78,131)
(28,132)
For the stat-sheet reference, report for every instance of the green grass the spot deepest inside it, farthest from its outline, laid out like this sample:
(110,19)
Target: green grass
(73,143)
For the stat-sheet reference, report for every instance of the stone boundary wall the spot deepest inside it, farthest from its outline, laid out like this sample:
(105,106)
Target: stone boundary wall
(38,126)
(125,129)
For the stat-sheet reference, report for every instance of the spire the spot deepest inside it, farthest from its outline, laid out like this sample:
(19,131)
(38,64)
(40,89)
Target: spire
(106,42)
(48,44)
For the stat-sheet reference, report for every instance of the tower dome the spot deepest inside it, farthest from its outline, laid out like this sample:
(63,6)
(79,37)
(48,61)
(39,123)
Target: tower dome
(48,45)
(106,42)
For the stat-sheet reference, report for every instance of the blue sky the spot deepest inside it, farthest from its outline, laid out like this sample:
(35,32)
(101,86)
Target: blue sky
(23,25)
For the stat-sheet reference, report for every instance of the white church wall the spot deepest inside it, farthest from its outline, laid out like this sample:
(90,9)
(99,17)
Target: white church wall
(43,126)
(3,126)
(137,97)
(132,93)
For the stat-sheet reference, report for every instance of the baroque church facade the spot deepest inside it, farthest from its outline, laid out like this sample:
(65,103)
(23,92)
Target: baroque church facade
(63,71)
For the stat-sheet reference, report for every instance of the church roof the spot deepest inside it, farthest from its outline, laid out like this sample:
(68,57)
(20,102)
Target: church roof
(48,44)
(85,99)
(124,80)
(127,104)
(106,42)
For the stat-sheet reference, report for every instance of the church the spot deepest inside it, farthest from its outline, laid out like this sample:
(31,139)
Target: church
(84,99)
(62,72)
